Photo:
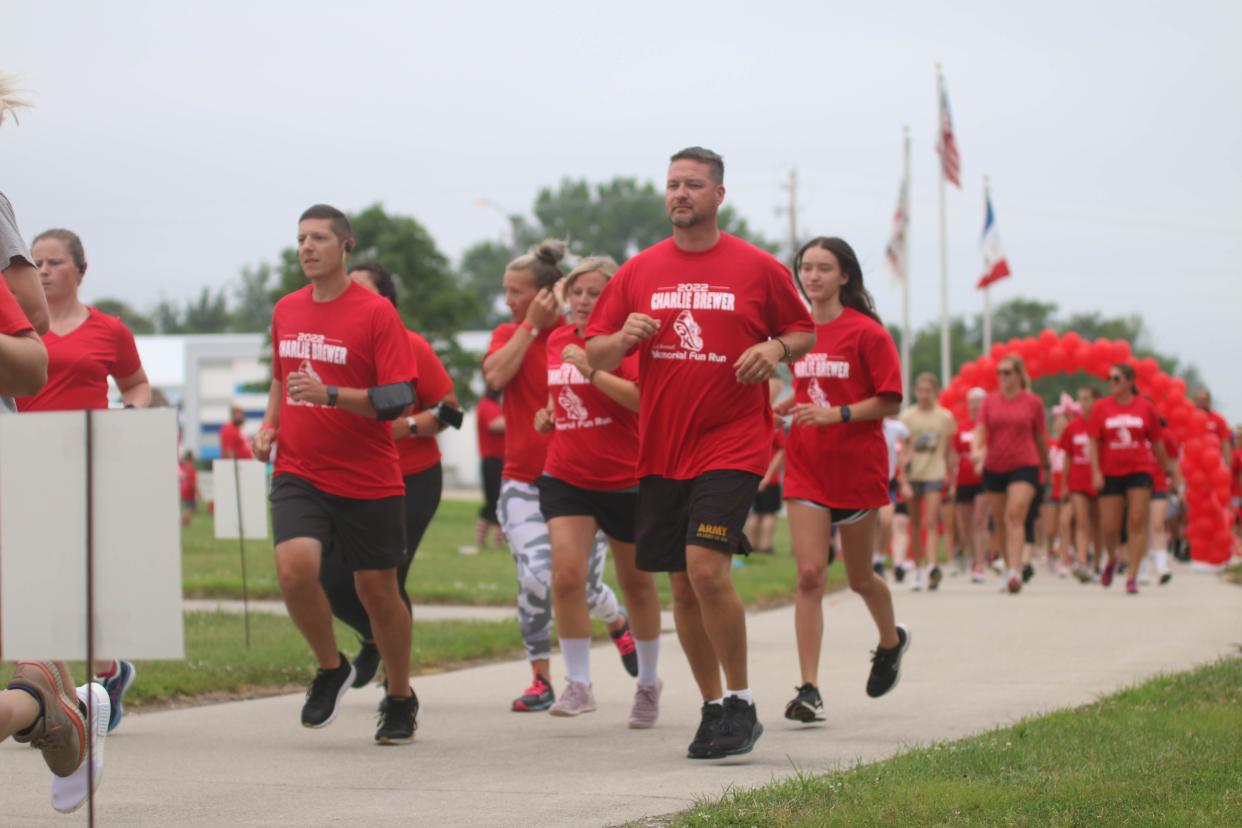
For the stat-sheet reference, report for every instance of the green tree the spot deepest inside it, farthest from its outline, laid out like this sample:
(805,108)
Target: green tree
(137,322)
(208,314)
(482,266)
(431,298)
(252,312)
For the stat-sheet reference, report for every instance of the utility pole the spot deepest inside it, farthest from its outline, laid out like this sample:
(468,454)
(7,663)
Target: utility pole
(791,212)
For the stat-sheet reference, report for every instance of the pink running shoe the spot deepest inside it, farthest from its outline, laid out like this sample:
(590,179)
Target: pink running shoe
(1015,584)
(1132,587)
(538,696)
(1106,577)
(625,646)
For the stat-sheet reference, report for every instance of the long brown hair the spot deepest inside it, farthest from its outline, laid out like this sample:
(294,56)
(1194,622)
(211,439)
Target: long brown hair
(854,293)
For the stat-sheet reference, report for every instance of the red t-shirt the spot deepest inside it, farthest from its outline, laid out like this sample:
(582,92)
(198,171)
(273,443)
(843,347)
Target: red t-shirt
(526,393)
(232,439)
(434,384)
(1125,435)
(355,341)
(1057,458)
(595,445)
(1075,441)
(1160,480)
(1235,472)
(1011,427)
(1218,425)
(80,362)
(12,319)
(695,416)
(187,476)
(844,466)
(963,444)
(778,444)
(491,443)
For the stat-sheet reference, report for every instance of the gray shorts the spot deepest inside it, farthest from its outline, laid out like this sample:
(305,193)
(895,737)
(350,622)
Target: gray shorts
(922,487)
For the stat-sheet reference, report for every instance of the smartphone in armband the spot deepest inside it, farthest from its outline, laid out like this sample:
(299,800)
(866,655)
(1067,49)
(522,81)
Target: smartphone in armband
(448,416)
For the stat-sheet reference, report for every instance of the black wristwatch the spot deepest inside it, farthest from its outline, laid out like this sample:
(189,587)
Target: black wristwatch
(845,413)
(333,393)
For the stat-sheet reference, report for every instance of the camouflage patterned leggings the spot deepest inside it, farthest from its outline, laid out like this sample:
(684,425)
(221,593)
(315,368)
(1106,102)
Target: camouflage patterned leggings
(527,533)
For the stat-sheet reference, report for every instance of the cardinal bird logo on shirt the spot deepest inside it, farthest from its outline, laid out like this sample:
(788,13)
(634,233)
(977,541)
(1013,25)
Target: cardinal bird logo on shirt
(1124,436)
(307,368)
(573,405)
(689,331)
(817,395)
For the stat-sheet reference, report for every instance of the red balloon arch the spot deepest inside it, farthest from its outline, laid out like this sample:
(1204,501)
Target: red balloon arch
(1207,479)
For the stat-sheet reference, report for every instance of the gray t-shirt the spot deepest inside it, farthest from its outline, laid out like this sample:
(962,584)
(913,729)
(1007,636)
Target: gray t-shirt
(12,247)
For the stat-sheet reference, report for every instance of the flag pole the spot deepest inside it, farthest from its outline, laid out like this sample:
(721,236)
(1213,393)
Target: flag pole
(987,290)
(905,277)
(945,362)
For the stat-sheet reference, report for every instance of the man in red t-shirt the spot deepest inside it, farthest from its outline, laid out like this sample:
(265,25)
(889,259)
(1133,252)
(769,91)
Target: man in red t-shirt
(233,443)
(711,317)
(342,367)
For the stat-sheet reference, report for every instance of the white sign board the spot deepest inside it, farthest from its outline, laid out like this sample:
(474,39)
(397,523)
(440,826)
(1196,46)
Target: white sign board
(137,535)
(225,474)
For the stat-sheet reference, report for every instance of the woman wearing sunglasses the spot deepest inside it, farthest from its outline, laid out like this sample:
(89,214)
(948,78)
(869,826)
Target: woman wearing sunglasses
(1011,444)
(1125,429)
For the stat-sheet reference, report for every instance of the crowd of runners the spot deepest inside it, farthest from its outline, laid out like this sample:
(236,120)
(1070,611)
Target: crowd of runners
(636,409)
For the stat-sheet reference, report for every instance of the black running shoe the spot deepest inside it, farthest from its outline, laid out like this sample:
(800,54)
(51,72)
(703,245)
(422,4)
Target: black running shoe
(933,578)
(886,665)
(365,664)
(398,719)
(712,716)
(1028,572)
(626,647)
(878,567)
(807,706)
(324,695)
(738,730)
(1165,578)
(899,572)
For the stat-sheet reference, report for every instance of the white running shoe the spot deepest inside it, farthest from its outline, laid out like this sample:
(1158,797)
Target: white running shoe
(70,792)
(576,700)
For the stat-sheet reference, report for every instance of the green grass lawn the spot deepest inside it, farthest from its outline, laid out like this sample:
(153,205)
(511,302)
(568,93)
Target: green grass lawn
(1168,752)
(218,665)
(441,574)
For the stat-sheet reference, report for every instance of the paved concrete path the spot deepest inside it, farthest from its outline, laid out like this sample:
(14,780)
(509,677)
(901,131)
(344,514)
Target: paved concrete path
(979,659)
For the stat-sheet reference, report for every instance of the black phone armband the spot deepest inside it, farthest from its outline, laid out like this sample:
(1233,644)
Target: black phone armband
(390,400)
(448,416)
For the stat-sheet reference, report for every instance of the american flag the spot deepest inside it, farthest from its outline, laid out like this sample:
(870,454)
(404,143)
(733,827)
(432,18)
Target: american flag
(950,159)
(896,250)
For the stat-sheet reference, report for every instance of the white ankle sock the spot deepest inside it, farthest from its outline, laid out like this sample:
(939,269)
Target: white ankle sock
(744,695)
(1162,560)
(716,701)
(577,655)
(648,661)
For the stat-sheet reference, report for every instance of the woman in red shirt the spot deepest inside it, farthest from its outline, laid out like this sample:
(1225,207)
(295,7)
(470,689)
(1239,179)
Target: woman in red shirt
(1011,444)
(590,484)
(1157,521)
(418,455)
(84,346)
(836,461)
(1124,429)
(970,504)
(517,361)
(1076,443)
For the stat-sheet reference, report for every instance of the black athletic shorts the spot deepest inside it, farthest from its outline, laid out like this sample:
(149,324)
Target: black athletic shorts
(768,501)
(1120,485)
(967,494)
(709,510)
(368,534)
(999,481)
(614,511)
(837,516)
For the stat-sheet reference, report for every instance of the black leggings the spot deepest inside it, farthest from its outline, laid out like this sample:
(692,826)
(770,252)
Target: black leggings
(422,499)
(491,468)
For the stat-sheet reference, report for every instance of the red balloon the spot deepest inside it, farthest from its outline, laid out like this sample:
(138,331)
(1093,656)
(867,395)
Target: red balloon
(1160,384)
(999,350)
(1121,350)
(969,373)
(1028,348)
(1047,338)
(1198,422)
(1147,369)
(1056,359)
(1035,366)
(1177,387)
(1101,349)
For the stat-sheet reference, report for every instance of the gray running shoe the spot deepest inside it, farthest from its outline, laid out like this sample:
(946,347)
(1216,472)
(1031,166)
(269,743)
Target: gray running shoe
(646,707)
(60,732)
(576,699)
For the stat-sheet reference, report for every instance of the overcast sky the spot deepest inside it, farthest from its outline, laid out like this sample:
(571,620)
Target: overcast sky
(182,140)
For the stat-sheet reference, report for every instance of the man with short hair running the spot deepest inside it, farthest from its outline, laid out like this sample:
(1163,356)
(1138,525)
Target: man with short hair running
(342,366)
(711,317)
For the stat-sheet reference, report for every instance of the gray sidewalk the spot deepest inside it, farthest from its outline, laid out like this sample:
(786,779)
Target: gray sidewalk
(979,659)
